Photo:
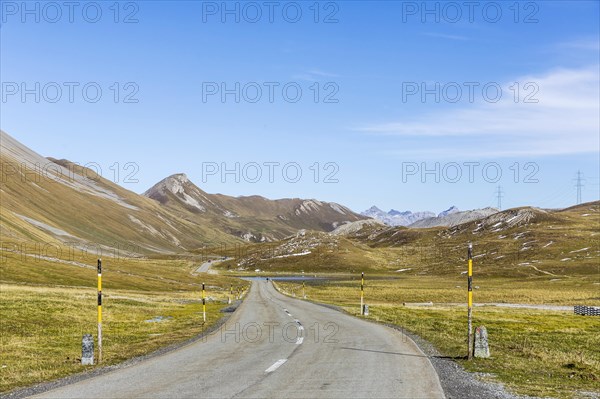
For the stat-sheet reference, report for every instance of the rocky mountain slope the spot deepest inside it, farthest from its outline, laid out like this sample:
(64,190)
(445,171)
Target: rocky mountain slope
(408,218)
(253,218)
(454,217)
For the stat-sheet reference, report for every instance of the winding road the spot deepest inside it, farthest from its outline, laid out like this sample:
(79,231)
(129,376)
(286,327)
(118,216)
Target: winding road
(274,346)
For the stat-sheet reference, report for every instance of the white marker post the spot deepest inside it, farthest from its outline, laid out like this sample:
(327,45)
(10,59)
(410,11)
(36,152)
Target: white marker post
(362,294)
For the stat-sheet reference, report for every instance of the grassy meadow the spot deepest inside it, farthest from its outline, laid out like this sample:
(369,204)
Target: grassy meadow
(48,305)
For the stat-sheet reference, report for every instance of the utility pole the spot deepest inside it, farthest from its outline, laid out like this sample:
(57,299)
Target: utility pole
(579,184)
(499,196)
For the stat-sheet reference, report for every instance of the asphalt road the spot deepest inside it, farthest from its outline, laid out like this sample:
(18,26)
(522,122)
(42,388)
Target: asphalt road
(205,267)
(277,347)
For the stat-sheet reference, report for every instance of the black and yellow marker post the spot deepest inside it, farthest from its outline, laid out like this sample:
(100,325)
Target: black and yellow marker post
(303,290)
(203,304)
(470,301)
(362,294)
(99,310)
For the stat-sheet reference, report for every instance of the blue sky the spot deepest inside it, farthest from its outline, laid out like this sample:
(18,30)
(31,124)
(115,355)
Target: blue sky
(362,119)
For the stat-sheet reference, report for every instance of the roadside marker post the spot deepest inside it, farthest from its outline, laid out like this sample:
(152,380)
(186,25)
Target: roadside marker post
(99,310)
(303,290)
(470,301)
(230,293)
(362,294)
(203,304)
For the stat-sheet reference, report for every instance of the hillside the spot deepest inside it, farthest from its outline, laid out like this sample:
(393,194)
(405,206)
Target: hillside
(254,218)
(453,218)
(512,243)
(44,201)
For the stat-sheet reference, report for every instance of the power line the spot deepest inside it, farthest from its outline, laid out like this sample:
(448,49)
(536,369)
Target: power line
(580,183)
(499,196)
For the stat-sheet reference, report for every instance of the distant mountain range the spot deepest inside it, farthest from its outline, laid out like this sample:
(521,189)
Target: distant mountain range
(406,218)
(454,218)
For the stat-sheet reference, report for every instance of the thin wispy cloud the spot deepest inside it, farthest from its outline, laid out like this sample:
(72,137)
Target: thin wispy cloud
(314,75)
(564,121)
(446,36)
(591,44)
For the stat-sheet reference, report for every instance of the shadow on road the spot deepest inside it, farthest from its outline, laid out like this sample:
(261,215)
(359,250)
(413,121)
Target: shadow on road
(384,352)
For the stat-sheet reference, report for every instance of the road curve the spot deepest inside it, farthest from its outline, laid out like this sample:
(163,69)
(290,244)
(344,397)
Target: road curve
(205,267)
(276,347)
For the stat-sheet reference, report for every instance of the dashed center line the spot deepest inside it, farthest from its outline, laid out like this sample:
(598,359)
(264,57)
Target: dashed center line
(275,366)
(299,341)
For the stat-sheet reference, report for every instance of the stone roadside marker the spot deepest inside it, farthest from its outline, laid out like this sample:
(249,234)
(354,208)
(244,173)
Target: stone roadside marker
(87,350)
(481,348)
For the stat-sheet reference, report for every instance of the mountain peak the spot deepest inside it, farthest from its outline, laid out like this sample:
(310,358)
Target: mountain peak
(182,188)
(394,212)
(181,177)
(449,211)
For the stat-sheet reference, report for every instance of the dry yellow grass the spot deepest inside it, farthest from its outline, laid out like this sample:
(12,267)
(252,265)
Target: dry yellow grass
(42,327)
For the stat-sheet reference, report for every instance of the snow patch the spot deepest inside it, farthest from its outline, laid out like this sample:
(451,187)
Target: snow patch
(579,250)
(287,256)
(230,215)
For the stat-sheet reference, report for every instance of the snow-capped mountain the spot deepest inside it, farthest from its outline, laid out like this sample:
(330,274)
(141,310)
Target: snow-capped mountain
(450,217)
(396,218)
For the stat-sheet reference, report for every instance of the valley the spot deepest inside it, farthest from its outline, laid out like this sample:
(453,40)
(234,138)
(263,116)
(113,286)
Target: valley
(531,266)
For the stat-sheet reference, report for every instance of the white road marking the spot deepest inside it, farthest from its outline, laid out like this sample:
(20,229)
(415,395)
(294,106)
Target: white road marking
(299,340)
(275,366)
(301,328)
